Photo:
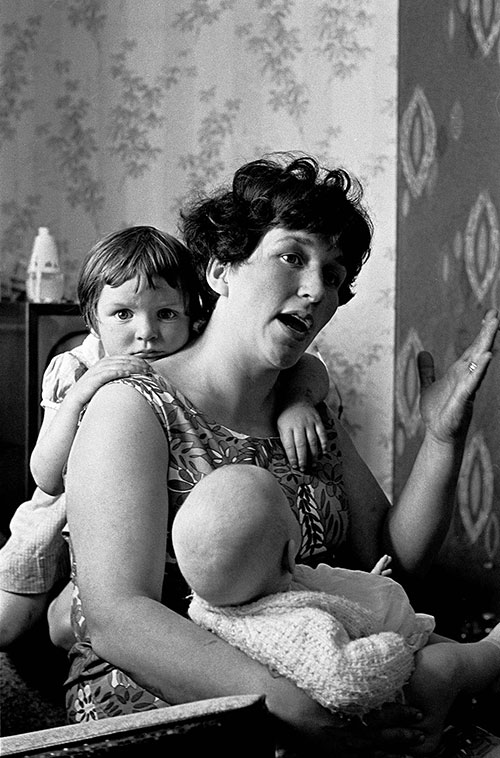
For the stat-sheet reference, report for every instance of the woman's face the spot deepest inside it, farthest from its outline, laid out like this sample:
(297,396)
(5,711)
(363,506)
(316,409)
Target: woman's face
(149,322)
(284,294)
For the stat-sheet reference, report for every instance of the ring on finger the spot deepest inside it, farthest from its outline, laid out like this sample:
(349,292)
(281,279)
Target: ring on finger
(472,366)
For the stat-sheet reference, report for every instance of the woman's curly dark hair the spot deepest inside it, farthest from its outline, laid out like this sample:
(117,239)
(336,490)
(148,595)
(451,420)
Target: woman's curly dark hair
(291,192)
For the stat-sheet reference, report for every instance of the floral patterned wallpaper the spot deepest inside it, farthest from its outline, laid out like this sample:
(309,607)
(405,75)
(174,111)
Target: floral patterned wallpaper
(112,111)
(449,263)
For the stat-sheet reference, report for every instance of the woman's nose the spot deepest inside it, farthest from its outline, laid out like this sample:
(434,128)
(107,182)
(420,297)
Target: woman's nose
(312,285)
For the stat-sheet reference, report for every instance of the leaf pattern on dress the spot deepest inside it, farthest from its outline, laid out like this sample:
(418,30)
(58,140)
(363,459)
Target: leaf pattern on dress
(198,446)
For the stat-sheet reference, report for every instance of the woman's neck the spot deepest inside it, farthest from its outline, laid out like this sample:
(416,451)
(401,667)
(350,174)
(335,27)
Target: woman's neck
(225,386)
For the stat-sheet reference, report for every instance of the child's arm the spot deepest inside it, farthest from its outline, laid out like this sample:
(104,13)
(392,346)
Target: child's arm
(59,426)
(299,423)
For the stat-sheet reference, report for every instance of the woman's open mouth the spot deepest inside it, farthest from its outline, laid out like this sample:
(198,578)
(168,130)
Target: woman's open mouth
(299,325)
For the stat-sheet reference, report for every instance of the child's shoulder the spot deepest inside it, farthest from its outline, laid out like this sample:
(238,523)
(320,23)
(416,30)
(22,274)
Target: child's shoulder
(66,368)
(88,352)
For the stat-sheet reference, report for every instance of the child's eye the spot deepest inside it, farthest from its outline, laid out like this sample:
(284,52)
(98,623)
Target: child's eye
(166,314)
(123,314)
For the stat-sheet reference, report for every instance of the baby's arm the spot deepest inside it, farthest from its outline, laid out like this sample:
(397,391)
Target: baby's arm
(382,566)
(299,423)
(59,426)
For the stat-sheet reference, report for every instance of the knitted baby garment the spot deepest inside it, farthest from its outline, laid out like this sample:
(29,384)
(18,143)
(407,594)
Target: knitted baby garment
(327,645)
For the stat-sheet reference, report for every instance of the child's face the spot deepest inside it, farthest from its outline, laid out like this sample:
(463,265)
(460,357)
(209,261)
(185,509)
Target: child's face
(149,322)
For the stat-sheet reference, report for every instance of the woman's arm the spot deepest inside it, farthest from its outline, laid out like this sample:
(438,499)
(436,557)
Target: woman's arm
(117,506)
(420,521)
(413,530)
(50,454)
(117,512)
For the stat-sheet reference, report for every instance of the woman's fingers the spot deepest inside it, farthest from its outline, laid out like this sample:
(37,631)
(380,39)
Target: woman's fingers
(485,338)
(473,360)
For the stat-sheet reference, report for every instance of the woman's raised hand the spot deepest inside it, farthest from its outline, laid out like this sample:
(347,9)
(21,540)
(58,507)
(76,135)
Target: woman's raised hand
(446,404)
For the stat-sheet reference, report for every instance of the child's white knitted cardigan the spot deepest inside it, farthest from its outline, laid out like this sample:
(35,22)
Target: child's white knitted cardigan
(324,643)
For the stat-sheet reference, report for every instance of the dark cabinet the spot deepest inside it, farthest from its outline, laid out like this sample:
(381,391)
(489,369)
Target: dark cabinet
(30,335)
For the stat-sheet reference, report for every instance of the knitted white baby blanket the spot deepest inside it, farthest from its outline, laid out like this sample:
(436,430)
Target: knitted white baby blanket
(325,644)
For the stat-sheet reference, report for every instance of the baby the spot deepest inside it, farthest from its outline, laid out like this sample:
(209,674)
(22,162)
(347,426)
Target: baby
(350,639)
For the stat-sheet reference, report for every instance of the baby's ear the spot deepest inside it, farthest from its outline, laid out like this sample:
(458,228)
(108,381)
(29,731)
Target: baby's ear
(217,276)
(289,554)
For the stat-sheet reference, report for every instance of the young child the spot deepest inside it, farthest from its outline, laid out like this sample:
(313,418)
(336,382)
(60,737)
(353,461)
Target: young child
(350,639)
(141,299)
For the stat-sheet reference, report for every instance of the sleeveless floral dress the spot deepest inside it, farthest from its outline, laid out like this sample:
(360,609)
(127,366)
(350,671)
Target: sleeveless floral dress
(95,689)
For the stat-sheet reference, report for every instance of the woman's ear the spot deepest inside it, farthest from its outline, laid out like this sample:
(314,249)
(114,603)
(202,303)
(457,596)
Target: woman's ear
(217,276)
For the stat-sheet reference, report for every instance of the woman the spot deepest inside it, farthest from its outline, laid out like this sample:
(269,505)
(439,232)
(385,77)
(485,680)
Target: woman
(281,249)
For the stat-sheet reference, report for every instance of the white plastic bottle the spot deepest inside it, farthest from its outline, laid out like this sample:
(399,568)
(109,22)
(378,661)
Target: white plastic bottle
(44,279)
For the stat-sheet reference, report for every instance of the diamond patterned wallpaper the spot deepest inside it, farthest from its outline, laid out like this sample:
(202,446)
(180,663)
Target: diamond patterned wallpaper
(448,267)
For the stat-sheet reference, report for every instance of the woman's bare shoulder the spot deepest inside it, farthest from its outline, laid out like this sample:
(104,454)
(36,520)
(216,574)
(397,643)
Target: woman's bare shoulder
(183,370)
(118,433)
(115,406)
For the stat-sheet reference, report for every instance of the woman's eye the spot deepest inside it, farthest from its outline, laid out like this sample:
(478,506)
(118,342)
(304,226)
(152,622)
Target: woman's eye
(166,314)
(123,315)
(334,277)
(292,258)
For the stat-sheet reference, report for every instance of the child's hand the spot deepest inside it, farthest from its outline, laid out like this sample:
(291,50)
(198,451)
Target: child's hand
(382,566)
(302,433)
(108,368)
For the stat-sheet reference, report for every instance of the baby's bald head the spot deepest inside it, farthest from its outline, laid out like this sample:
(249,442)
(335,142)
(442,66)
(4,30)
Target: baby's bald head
(232,533)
